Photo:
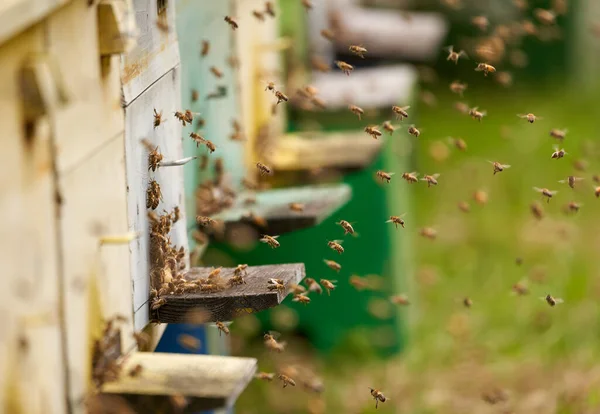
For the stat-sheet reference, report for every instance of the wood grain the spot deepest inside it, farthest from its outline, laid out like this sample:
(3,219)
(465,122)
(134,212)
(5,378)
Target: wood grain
(208,381)
(252,297)
(320,202)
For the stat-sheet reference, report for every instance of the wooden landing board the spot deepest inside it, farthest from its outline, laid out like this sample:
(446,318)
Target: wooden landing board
(307,150)
(320,201)
(209,382)
(252,297)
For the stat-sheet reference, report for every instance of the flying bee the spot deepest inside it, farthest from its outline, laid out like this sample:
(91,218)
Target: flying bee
(359,283)
(558,134)
(258,15)
(270,240)
(597,192)
(431,179)
(205,221)
(328,34)
(428,233)
(270,86)
(281,97)
(297,207)
(333,265)
(189,342)
(531,118)
(551,300)
(520,289)
(313,286)
(222,328)
(231,21)
(545,193)
(547,17)
(373,131)
(387,176)
(411,177)
(270,8)
(480,197)
(296,289)
(485,68)
(400,300)
(572,207)
(286,380)
(318,102)
(458,88)
(474,113)
(454,56)
(182,117)
(464,206)
(498,167)
(320,65)
(272,344)
(157,118)
(558,153)
(504,78)
(397,220)
(377,396)
(348,229)
(215,71)
(461,107)
(328,285)
(307,4)
(388,127)
(400,111)
(263,169)
(459,143)
(356,110)
(336,245)
(358,50)
(300,298)
(481,22)
(205,48)
(412,130)
(344,67)
(467,302)
(153,195)
(536,210)
(265,376)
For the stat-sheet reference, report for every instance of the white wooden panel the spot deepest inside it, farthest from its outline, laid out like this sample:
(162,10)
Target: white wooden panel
(31,348)
(17,15)
(156,52)
(96,278)
(165,96)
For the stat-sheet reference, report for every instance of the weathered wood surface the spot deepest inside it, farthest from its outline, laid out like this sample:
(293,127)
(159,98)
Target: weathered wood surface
(18,15)
(368,88)
(308,150)
(156,52)
(31,343)
(320,202)
(208,381)
(252,297)
(163,95)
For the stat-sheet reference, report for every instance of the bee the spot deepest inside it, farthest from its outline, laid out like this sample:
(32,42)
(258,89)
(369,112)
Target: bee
(320,65)
(459,143)
(286,380)
(154,159)
(163,26)
(176,215)
(412,130)
(397,220)
(215,71)
(205,221)
(454,56)
(498,167)
(270,240)
(520,289)
(572,207)
(198,139)
(551,300)
(359,283)
(411,177)
(182,117)
(258,15)
(318,102)
(464,206)
(358,50)
(313,286)
(136,371)
(231,21)
(297,289)
(480,197)
(400,300)
(558,153)
(384,175)
(263,169)
(356,110)
(222,328)
(189,342)
(153,195)
(328,285)
(400,111)
(307,4)
(377,396)
(485,68)
(157,302)
(281,97)
(428,233)
(213,276)
(531,118)
(580,165)
(333,265)
(474,113)
(265,376)
(597,192)
(328,34)
(536,210)
(373,131)
(457,87)
(203,162)
(547,17)
(348,229)
(276,284)
(336,245)
(387,126)
(545,193)
(195,95)
(467,302)
(157,118)
(344,67)
(504,78)
(270,86)
(431,179)
(240,270)
(558,134)
(297,207)
(300,298)
(270,8)
(205,48)
(481,22)
(272,344)
(236,280)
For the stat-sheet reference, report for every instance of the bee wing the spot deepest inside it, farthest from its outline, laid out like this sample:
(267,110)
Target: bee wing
(274,237)
(539,118)
(478,69)
(463,54)
(275,334)
(522,116)
(404,108)
(542,298)
(559,300)
(505,166)
(555,147)
(539,190)
(474,108)
(436,175)
(562,181)
(338,241)
(491,162)
(483,113)
(578,178)
(391,173)
(553,192)
(449,48)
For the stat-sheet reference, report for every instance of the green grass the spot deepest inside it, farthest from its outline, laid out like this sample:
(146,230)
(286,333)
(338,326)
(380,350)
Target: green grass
(545,357)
